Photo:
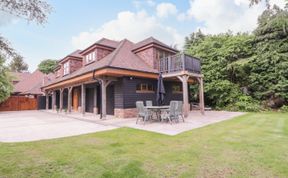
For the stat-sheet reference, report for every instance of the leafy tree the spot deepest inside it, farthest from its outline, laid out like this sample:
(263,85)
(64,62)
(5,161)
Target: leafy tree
(18,65)
(47,66)
(31,10)
(35,11)
(222,57)
(269,76)
(5,81)
(242,69)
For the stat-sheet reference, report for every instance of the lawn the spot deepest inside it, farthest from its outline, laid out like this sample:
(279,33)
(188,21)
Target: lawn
(254,145)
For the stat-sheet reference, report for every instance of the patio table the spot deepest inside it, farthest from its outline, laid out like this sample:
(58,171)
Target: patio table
(157,110)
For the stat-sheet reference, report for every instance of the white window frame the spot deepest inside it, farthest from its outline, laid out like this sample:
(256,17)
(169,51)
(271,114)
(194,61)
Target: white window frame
(90,57)
(66,68)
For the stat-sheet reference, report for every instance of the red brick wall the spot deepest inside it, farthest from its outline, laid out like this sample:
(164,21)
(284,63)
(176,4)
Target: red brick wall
(101,53)
(148,55)
(151,56)
(75,65)
(125,113)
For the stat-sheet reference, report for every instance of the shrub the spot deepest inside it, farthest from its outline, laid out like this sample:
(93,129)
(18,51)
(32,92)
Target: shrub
(244,103)
(284,108)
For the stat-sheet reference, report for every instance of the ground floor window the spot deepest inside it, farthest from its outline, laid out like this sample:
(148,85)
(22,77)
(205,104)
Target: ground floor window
(177,88)
(144,88)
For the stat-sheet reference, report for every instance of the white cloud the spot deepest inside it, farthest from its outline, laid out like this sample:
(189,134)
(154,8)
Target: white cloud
(222,15)
(166,9)
(133,26)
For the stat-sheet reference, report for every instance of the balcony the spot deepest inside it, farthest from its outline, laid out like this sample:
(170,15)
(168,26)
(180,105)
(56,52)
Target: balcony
(180,63)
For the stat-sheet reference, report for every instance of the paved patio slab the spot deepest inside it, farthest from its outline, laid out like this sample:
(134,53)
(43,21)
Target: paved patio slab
(39,125)
(36,125)
(195,120)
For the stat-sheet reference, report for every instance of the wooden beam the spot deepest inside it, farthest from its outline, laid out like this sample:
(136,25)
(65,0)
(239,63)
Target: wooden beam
(201,96)
(102,72)
(104,82)
(83,98)
(184,80)
(47,100)
(95,111)
(181,73)
(54,100)
(61,100)
(70,99)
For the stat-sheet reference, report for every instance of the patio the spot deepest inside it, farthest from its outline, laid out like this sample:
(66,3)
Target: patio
(193,121)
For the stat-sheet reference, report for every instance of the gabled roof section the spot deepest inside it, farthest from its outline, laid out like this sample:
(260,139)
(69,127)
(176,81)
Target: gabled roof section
(19,76)
(149,41)
(31,84)
(121,58)
(74,54)
(107,42)
(104,42)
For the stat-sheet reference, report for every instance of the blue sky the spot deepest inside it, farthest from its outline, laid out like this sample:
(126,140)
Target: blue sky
(75,24)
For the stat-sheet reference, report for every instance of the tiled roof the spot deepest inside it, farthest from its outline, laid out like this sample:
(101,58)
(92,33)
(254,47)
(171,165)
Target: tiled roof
(122,57)
(107,42)
(151,40)
(19,76)
(76,53)
(73,54)
(31,84)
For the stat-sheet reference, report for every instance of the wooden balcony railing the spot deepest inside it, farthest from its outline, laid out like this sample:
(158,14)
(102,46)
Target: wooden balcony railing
(180,62)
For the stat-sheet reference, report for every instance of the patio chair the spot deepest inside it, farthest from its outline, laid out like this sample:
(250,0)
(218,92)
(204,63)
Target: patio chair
(170,114)
(142,112)
(149,103)
(179,110)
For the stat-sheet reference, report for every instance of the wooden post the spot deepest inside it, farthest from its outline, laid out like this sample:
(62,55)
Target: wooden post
(61,100)
(95,101)
(69,99)
(53,100)
(201,95)
(83,98)
(184,80)
(104,83)
(47,100)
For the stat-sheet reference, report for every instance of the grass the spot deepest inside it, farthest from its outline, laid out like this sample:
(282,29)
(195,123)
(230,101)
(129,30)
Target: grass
(253,145)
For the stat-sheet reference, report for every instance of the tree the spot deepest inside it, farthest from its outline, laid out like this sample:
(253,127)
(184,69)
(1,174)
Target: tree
(18,65)
(269,76)
(5,81)
(31,10)
(222,56)
(47,66)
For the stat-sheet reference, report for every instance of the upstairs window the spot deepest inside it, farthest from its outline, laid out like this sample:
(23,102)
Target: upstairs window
(66,67)
(90,57)
(145,88)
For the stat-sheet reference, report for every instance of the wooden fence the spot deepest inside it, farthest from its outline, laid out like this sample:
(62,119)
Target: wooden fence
(18,103)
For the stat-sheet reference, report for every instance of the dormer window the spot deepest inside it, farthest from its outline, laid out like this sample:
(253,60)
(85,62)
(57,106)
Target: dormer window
(66,68)
(90,57)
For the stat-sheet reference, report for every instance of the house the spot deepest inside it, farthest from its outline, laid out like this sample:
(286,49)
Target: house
(109,76)
(26,91)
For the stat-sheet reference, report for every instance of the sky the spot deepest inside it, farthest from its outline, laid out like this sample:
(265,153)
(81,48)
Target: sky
(76,24)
